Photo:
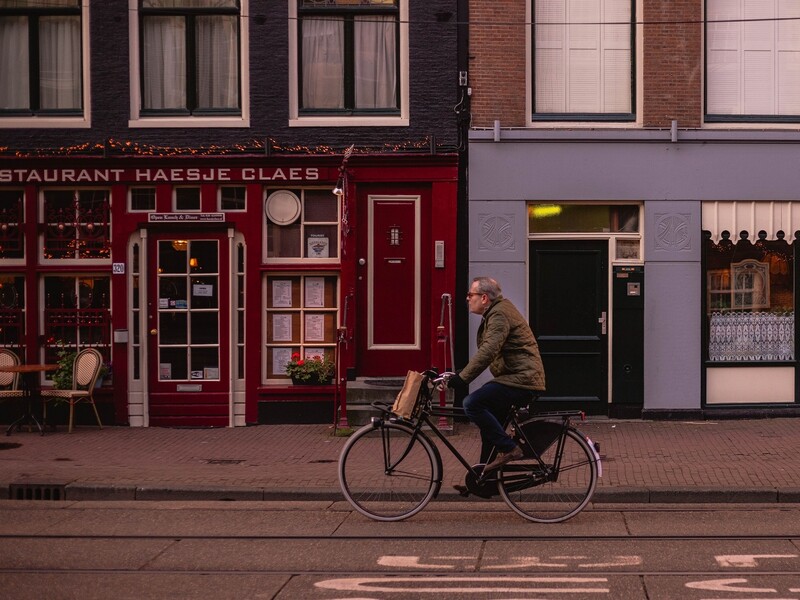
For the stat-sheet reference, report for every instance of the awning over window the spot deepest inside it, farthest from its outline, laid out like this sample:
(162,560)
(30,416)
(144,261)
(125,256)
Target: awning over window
(751,217)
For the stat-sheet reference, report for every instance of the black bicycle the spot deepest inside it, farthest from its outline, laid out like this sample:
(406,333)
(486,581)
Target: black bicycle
(390,469)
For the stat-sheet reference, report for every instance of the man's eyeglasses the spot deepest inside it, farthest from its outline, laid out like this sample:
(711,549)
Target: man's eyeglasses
(471,294)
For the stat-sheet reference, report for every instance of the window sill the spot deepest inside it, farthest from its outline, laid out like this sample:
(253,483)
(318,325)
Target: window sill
(43,122)
(185,122)
(342,121)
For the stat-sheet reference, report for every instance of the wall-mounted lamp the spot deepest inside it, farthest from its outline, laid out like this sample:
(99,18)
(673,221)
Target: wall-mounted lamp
(193,262)
(338,190)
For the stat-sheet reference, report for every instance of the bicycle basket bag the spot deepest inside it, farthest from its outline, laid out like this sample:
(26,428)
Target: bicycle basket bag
(540,434)
(406,403)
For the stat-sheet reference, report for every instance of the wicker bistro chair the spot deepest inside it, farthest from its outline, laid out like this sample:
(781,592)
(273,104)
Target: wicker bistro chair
(9,382)
(85,371)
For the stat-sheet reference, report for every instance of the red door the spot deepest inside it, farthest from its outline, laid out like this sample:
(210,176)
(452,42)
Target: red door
(188,337)
(392,288)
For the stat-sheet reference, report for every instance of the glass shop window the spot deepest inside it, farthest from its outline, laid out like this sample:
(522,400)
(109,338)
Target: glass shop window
(77,224)
(749,298)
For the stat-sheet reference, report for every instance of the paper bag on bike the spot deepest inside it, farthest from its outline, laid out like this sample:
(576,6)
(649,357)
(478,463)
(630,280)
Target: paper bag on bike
(407,398)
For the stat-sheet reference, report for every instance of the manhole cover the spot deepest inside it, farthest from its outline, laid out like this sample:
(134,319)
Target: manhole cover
(9,445)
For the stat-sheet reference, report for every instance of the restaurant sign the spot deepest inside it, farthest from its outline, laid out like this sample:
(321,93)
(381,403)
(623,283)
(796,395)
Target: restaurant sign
(186,217)
(161,175)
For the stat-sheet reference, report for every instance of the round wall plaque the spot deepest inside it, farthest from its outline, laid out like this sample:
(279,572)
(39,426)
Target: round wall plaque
(282,207)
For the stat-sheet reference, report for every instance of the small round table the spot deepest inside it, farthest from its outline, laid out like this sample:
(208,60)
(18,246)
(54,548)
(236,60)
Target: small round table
(30,385)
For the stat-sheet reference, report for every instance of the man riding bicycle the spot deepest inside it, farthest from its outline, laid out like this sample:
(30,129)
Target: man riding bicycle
(507,346)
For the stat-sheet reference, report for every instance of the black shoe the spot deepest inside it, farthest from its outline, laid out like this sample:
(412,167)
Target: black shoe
(461,489)
(503,458)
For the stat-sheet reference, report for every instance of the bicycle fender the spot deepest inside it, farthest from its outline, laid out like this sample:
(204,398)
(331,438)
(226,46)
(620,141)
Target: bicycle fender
(596,456)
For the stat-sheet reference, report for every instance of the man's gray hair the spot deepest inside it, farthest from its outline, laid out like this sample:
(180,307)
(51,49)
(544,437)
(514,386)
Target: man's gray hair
(488,286)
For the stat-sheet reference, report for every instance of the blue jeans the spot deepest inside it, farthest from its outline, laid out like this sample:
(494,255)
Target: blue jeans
(488,406)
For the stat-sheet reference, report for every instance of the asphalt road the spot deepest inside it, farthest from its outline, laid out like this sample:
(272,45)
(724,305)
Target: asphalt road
(324,550)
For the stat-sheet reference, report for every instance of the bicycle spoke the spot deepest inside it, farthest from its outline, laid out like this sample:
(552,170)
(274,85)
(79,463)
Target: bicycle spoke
(388,472)
(551,497)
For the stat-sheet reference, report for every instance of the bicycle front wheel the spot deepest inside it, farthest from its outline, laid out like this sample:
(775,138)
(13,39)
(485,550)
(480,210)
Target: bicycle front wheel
(387,472)
(538,493)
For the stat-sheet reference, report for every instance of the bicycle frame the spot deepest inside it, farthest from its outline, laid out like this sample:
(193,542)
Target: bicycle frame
(428,410)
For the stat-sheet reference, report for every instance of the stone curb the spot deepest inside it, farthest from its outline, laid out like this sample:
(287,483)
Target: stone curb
(620,495)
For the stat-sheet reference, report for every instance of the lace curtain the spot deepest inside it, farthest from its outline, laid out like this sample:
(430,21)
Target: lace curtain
(751,336)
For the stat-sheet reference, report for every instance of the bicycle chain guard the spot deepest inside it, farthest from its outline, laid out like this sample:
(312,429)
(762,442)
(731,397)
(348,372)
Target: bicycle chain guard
(485,488)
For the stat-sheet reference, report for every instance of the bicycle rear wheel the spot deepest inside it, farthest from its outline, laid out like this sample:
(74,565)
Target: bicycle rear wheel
(387,473)
(537,494)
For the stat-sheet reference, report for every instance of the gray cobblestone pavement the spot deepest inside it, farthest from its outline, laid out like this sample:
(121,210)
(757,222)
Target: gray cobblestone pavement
(643,461)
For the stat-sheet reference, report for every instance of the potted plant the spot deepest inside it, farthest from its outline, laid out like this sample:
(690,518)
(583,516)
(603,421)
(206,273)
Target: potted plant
(62,376)
(313,370)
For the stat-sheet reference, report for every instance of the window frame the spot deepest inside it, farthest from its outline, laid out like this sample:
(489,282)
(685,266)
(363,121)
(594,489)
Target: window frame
(44,224)
(347,117)
(716,118)
(145,118)
(79,118)
(299,309)
(570,118)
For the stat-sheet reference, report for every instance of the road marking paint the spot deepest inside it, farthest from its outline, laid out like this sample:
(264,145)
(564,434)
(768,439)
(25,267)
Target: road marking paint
(727,585)
(407,562)
(390,584)
(746,560)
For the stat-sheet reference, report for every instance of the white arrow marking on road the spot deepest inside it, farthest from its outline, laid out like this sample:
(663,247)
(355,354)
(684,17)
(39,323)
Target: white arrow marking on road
(726,585)
(746,560)
(387,584)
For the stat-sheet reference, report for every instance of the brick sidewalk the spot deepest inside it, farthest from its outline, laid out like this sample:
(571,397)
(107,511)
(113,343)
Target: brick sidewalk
(644,461)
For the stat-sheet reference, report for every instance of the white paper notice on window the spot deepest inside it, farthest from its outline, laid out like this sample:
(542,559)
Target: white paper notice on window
(315,328)
(282,328)
(280,358)
(315,292)
(312,353)
(201,289)
(282,293)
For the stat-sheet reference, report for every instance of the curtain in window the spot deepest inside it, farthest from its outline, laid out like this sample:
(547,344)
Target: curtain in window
(323,63)
(14,66)
(584,67)
(164,63)
(375,62)
(217,62)
(60,62)
(753,67)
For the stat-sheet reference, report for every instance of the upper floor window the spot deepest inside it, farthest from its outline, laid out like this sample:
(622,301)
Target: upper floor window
(583,60)
(189,51)
(41,57)
(752,60)
(350,59)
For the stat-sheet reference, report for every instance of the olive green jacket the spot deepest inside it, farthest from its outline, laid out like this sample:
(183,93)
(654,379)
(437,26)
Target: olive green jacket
(507,346)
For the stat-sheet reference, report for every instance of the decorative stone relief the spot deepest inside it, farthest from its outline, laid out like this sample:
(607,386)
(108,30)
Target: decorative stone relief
(673,231)
(496,232)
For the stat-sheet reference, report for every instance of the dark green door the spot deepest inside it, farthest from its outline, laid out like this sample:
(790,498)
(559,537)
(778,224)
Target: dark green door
(569,316)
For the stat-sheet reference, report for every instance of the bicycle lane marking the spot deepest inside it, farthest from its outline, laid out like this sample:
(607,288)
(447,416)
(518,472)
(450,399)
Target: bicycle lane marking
(424,584)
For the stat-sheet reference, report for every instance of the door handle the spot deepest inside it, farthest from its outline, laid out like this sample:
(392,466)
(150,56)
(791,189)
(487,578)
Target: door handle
(153,331)
(603,323)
